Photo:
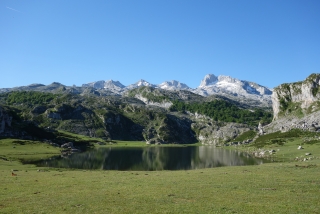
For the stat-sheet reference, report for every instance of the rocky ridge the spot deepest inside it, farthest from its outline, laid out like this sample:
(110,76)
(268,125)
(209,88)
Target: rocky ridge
(296,105)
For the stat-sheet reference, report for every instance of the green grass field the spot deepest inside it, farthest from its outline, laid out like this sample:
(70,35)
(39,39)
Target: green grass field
(288,186)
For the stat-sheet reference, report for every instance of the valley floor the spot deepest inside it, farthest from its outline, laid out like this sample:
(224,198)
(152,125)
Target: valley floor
(279,187)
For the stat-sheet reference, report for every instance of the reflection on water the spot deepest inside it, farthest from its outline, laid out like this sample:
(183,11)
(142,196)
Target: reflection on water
(153,158)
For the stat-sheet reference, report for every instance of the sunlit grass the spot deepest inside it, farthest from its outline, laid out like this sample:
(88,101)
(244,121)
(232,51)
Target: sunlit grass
(280,187)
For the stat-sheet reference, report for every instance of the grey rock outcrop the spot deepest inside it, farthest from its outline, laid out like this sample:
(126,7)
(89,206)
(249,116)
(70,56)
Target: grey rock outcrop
(310,122)
(296,106)
(260,129)
(295,97)
(215,133)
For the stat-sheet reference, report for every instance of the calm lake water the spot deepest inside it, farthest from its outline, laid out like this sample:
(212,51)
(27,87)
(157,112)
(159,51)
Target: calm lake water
(153,158)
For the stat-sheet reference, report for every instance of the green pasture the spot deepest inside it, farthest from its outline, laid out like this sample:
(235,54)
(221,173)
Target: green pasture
(284,186)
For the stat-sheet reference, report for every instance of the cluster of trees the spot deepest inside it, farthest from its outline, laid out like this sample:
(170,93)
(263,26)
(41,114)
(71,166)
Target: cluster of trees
(220,110)
(30,97)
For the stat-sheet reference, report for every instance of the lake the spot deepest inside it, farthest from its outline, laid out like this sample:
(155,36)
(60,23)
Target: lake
(152,158)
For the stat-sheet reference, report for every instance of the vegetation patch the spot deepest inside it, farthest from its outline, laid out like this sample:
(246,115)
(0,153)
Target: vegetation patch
(30,97)
(246,135)
(311,142)
(220,110)
(281,137)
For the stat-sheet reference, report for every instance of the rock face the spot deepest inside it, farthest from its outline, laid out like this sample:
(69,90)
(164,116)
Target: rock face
(296,106)
(296,97)
(208,80)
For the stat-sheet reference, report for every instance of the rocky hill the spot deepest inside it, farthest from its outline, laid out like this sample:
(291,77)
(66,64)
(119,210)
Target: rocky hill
(296,97)
(296,105)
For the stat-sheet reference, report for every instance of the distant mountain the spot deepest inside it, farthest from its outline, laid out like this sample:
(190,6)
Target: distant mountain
(36,87)
(208,80)
(173,85)
(111,85)
(220,85)
(97,85)
(114,86)
(140,83)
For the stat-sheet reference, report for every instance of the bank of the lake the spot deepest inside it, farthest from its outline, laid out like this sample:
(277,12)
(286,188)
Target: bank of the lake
(280,187)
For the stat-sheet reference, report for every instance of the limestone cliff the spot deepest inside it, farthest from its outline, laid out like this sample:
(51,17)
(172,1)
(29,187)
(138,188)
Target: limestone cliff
(299,98)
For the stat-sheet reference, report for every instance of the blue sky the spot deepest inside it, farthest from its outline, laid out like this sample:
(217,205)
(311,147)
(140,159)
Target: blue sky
(75,42)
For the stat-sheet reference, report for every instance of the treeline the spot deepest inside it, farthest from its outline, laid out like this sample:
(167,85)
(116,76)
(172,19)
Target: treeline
(30,97)
(220,110)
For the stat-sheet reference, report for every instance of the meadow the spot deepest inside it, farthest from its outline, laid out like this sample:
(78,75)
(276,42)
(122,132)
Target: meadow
(284,186)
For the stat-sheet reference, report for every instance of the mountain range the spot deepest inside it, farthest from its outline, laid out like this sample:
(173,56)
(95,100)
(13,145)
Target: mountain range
(232,88)
(210,84)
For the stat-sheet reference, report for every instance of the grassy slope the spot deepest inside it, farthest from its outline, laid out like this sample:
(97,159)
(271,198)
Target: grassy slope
(26,150)
(269,188)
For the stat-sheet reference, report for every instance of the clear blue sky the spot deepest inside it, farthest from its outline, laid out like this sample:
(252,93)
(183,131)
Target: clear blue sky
(74,42)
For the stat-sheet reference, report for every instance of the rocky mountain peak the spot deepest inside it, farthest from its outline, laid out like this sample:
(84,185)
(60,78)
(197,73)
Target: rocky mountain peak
(173,85)
(97,85)
(140,83)
(209,79)
(113,84)
(35,85)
